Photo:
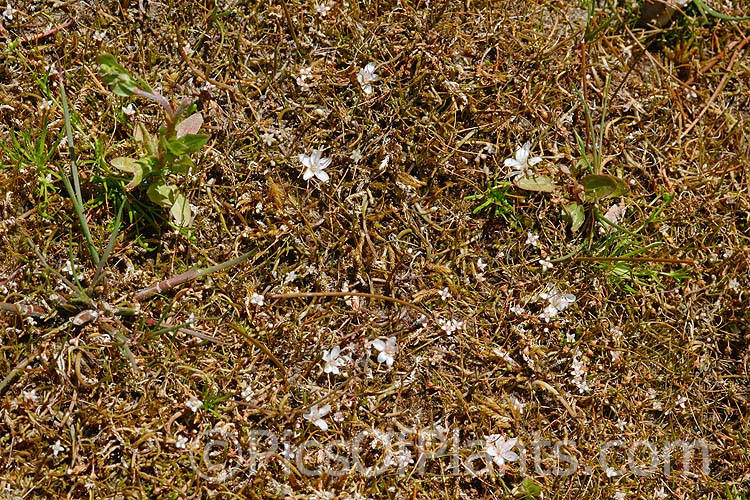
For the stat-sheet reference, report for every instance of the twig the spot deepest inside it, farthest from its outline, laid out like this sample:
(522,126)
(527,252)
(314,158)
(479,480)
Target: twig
(38,36)
(190,275)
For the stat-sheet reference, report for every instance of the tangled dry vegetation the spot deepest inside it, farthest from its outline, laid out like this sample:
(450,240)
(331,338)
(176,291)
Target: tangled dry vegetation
(647,343)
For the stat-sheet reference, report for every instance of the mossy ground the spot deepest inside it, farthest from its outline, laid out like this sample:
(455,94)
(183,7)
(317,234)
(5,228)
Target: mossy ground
(652,352)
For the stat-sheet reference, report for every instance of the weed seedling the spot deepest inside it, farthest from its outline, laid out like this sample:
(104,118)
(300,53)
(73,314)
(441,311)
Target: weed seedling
(164,155)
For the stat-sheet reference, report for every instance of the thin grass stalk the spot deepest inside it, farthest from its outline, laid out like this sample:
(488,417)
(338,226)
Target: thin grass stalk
(75,192)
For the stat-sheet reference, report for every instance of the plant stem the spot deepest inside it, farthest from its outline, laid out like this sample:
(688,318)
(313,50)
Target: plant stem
(189,275)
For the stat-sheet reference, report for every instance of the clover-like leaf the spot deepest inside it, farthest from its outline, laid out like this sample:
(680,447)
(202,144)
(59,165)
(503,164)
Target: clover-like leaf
(600,186)
(575,213)
(534,182)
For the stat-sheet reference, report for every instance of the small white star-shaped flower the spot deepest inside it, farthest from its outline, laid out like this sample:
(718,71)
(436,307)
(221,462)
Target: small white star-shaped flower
(532,239)
(366,76)
(333,360)
(315,416)
(194,403)
(57,448)
(546,265)
(314,166)
(522,163)
(387,350)
(257,299)
(499,448)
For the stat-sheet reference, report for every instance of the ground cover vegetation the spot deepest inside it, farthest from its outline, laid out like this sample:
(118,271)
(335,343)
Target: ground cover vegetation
(375,249)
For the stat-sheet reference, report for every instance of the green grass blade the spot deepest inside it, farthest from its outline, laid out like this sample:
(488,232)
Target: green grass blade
(74,191)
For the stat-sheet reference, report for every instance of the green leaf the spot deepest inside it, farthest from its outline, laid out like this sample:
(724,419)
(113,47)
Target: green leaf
(182,165)
(139,169)
(576,214)
(162,194)
(186,144)
(180,211)
(535,183)
(145,139)
(116,76)
(529,489)
(190,125)
(600,186)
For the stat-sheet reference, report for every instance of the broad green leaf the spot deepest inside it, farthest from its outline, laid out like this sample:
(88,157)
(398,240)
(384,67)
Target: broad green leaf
(186,144)
(576,214)
(132,166)
(190,125)
(162,194)
(535,183)
(125,164)
(145,139)
(182,165)
(528,489)
(116,76)
(600,186)
(180,211)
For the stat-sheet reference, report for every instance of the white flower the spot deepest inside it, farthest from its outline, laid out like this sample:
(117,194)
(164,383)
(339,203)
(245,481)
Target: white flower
(522,163)
(304,75)
(8,14)
(322,9)
(315,416)
(481,264)
(181,442)
(532,239)
(194,403)
(257,299)
(619,496)
(333,360)
(314,166)
(450,326)
(517,309)
(30,395)
(57,448)
(366,76)
(128,110)
(99,35)
(445,294)
(356,156)
(268,138)
(387,350)
(499,448)
(681,400)
(546,265)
